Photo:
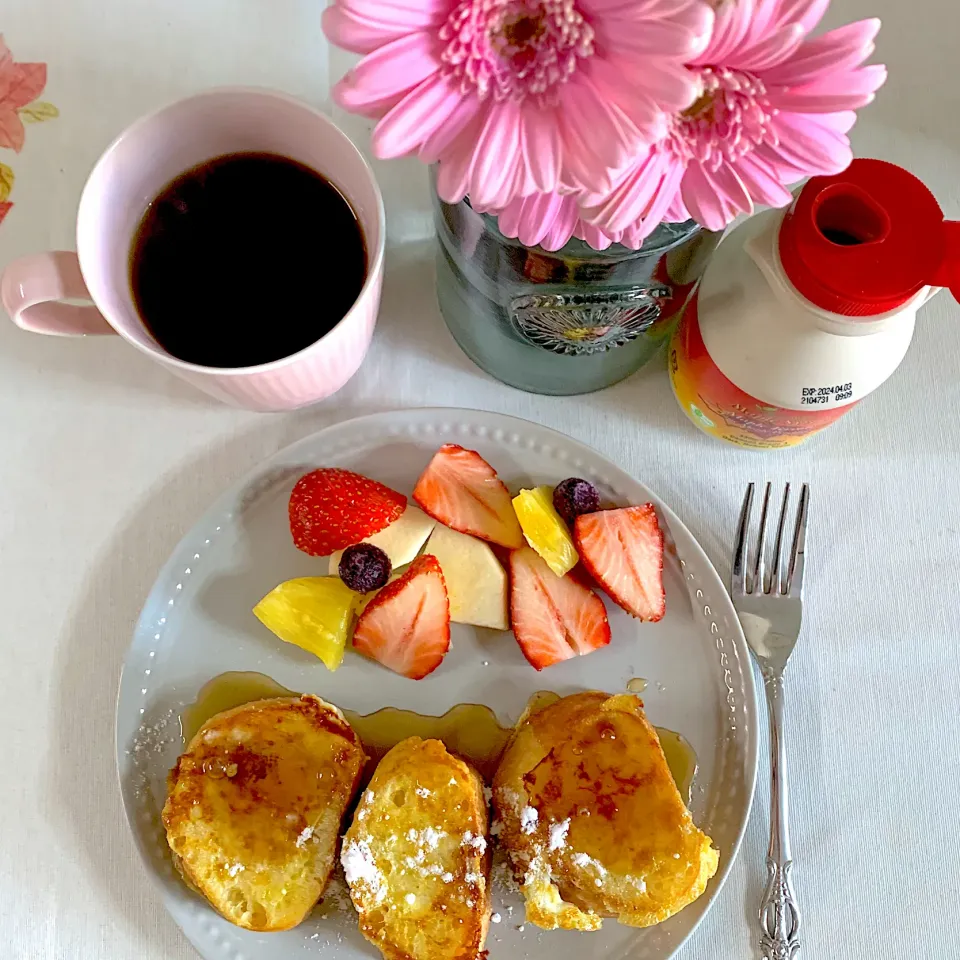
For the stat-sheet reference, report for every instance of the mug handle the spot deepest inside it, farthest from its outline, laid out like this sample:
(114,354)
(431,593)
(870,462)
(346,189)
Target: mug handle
(32,287)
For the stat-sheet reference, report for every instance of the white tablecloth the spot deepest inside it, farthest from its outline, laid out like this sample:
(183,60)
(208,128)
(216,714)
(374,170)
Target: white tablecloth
(105,460)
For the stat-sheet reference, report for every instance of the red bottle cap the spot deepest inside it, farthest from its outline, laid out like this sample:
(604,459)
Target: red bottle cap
(867,240)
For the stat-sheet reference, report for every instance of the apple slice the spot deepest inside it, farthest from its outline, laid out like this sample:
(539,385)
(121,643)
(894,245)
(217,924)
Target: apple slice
(400,541)
(476,581)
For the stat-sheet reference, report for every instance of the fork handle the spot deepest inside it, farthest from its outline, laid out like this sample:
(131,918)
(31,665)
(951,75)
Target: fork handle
(779,912)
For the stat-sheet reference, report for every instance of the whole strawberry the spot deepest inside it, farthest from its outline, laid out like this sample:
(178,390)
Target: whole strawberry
(331,509)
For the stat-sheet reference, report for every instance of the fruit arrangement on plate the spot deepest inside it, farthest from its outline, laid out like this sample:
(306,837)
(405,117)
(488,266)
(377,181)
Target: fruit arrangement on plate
(465,551)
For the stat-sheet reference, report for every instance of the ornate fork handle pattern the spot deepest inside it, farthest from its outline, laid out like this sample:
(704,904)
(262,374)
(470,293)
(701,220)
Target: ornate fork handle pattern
(779,914)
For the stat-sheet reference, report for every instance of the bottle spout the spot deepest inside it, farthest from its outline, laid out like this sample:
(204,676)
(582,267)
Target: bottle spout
(847,216)
(946,272)
(868,240)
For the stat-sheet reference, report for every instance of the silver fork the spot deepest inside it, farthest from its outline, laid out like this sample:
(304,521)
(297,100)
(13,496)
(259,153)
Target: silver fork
(769,604)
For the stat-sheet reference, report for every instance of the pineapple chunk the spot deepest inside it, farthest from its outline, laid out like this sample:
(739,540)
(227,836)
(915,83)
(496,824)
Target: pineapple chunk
(545,530)
(315,613)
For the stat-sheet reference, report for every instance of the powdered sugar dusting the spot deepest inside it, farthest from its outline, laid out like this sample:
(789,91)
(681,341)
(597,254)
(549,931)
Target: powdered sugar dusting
(431,836)
(360,866)
(305,835)
(477,842)
(558,834)
(528,819)
(586,862)
(638,882)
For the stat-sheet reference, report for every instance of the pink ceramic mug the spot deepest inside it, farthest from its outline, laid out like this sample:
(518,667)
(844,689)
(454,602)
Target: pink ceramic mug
(133,171)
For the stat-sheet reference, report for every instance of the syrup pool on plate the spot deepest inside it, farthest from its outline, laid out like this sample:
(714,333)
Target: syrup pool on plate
(470,730)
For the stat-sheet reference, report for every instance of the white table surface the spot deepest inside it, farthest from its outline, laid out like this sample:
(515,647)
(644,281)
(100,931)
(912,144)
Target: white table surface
(106,459)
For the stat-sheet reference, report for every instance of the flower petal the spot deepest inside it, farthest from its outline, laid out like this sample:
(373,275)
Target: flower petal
(786,171)
(728,182)
(772,49)
(531,218)
(691,22)
(597,138)
(808,13)
(832,93)
(412,15)
(453,176)
(762,185)
(561,230)
(542,147)
(731,26)
(416,117)
(706,203)
(462,116)
(593,236)
(840,49)
(496,155)
(643,93)
(639,36)
(631,199)
(353,32)
(842,122)
(633,237)
(677,212)
(667,189)
(508,219)
(382,78)
(810,146)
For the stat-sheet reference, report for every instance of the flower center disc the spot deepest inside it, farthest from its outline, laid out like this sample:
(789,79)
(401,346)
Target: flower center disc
(515,49)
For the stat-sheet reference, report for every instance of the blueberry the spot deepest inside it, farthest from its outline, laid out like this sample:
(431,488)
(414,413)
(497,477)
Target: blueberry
(364,567)
(573,497)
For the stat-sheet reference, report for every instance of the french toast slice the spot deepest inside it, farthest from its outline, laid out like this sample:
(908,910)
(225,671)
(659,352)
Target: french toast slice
(416,857)
(592,820)
(254,807)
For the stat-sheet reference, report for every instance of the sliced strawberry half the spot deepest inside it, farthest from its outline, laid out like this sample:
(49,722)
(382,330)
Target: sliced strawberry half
(330,509)
(553,618)
(406,626)
(623,550)
(460,489)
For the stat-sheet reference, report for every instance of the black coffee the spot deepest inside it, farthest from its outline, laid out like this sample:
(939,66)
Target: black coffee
(245,259)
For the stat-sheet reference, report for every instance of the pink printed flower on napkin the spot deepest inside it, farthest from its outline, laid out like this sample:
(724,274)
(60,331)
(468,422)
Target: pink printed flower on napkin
(20,84)
(514,97)
(774,107)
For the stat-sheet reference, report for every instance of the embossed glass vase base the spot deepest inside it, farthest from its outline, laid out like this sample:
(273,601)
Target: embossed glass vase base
(561,323)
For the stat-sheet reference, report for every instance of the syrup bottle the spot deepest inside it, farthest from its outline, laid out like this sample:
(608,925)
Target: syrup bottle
(802,313)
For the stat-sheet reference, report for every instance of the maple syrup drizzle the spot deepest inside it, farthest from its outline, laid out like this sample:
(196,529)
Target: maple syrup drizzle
(469,730)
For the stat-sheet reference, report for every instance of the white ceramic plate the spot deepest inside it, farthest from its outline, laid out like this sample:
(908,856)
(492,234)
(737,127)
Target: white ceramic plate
(197,624)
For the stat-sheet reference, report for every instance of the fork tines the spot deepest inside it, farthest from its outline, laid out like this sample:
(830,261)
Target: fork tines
(749,579)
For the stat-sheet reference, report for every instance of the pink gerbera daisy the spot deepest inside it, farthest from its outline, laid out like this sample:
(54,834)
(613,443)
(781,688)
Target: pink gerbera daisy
(774,107)
(518,96)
